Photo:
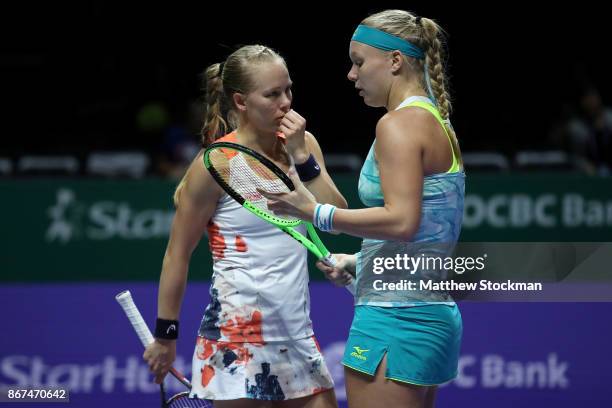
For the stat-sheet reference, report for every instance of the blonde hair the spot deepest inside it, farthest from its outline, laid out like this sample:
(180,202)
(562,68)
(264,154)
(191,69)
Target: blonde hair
(220,82)
(427,35)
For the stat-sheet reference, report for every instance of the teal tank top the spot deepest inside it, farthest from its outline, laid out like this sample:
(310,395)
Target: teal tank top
(439,228)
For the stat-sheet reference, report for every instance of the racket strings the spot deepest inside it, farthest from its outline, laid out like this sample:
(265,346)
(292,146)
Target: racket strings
(183,401)
(245,174)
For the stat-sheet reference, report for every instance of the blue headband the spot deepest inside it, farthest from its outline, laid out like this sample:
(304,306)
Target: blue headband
(386,42)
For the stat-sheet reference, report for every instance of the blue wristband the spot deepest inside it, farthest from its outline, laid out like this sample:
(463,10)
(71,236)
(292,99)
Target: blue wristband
(323,217)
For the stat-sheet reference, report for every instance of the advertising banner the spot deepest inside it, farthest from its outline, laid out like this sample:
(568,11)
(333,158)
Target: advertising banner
(75,336)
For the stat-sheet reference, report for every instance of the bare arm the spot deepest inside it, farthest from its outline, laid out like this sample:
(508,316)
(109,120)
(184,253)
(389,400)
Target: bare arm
(322,186)
(399,154)
(197,203)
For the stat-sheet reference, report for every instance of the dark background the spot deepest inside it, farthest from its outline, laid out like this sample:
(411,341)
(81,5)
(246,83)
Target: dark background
(74,77)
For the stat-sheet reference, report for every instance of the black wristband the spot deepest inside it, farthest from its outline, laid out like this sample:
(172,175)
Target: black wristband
(309,169)
(166,329)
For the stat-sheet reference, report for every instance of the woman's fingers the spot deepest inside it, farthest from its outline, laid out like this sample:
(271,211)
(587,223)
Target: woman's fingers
(294,119)
(347,278)
(268,194)
(277,202)
(160,377)
(323,267)
(285,129)
(339,277)
(158,360)
(159,369)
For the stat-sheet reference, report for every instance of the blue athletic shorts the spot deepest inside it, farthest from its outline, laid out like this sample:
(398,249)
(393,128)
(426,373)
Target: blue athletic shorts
(422,343)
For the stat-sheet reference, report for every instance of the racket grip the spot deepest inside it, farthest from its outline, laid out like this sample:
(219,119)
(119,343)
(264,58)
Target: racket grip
(330,260)
(133,314)
(142,330)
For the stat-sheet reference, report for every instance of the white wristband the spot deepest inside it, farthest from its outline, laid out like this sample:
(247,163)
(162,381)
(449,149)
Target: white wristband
(323,217)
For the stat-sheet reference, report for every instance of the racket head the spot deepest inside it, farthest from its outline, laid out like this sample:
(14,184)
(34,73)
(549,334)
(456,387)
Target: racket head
(240,171)
(182,399)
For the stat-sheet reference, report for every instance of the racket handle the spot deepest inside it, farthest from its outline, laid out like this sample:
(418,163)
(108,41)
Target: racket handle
(330,260)
(142,330)
(133,314)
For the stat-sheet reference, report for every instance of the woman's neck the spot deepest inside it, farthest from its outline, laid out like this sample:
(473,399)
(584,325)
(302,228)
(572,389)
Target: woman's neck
(266,143)
(401,90)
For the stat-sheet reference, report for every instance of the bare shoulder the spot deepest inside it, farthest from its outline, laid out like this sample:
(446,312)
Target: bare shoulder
(310,139)
(199,184)
(313,145)
(411,122)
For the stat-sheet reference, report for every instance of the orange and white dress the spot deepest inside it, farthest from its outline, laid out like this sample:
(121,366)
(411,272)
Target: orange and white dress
(256,338)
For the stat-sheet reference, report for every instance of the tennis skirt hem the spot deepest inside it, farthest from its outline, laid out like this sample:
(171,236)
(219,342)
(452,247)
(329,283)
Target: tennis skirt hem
(404,380)
(270,371)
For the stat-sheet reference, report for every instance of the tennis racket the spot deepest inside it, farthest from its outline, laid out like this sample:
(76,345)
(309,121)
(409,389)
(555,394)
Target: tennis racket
(240,171)
(180,400)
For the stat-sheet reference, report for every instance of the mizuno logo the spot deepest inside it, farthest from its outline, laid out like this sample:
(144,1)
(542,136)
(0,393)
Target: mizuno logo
(358,353)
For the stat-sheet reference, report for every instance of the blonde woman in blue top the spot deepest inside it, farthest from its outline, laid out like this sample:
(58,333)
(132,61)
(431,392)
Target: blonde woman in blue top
(402,343)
